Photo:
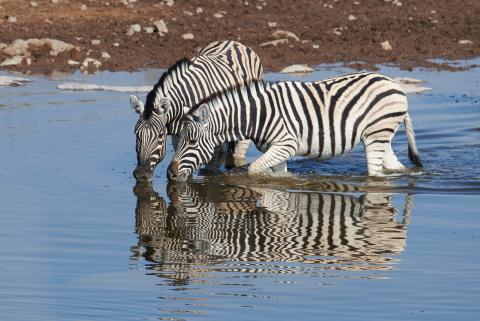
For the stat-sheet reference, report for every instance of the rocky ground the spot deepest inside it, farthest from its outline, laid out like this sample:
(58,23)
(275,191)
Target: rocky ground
(42,36)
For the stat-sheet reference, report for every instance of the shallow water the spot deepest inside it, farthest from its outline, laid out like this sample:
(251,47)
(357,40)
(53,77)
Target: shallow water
(80,241)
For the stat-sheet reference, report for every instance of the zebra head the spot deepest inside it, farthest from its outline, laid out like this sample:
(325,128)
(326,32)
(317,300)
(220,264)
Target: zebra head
(195,147)
(151,134)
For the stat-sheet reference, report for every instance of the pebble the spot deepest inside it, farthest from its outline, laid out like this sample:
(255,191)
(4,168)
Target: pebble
(386,45)
(72,62)
(12,19)
(272,24)
(12,61)
(337,31)
(218,15)
(90,62)
(134,28)
(275,42)
(465,42)
(160,26)
(33,4)
(116,44)
(285,34)
(168,2)
(55,1)
(95,42)
(316,46)
(187,36)
(188,13)
(106,55)
(83,7)
(199,10)
(149,30)
(352,18)
(296,69)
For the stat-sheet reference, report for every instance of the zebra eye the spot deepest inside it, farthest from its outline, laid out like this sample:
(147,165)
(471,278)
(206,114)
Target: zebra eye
(193,141)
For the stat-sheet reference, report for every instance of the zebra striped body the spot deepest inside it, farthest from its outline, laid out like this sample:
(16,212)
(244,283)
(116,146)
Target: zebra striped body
(211,224)
(217,67)
(319,119)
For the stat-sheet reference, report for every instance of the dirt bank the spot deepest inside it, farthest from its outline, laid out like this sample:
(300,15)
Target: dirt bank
(406,33)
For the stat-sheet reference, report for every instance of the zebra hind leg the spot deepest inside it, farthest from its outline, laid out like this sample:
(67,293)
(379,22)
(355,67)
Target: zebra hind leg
(375,150)
(236,154)
(390,160)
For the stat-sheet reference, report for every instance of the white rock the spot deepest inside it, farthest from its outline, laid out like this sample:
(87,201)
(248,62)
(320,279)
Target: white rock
(285,34)
(411,85)
(90,62)
(465,42)
(337,31)
(83,7)
(13,81)
(315,46)
(88,87)
(218,15)
(386,45)
(33,4)
(149,30)
(187,36)
(106,55)
(188,13)
(352,18)
(55,1)
(161,26)
(168,2)
(272,24)
(12,19)
(116,44)
(20,46)
(134,28)
(275,42)
(296,69)
(72,62)
(13,61)
(199,10)
(95,42)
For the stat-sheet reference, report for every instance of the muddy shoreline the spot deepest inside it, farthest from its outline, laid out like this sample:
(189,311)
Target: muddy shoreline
(130,35)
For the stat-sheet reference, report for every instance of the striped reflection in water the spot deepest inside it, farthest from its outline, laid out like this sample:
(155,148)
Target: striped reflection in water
(220,224)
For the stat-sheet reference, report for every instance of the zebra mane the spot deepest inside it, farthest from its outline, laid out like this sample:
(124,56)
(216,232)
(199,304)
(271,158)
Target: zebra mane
(229,90)
(179,67)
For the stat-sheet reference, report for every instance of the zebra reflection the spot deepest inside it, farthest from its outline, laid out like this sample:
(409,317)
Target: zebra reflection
(209,223)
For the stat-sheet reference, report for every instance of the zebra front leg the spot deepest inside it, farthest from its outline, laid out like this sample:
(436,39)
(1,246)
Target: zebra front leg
(274,160)
(375,152)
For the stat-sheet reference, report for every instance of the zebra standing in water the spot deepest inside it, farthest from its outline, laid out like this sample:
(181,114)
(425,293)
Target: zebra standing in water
(217,67)
(319,119)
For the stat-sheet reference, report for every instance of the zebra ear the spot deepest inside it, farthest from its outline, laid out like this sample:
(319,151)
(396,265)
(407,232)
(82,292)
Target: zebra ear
(201,113)
(137,105)
(161,105)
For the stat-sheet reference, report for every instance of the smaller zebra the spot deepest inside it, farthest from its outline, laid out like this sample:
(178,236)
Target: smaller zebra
(318,120)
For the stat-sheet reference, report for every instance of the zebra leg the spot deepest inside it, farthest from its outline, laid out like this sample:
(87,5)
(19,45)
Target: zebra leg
(175,140)
(375,152)
(217,158)
(275,156)
(390,160)
(236,153)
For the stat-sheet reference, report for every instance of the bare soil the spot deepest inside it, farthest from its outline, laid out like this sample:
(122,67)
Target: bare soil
(328,31)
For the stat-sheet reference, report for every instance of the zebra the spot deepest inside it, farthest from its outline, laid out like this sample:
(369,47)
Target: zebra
(217,66)
(314,119)
(213,223)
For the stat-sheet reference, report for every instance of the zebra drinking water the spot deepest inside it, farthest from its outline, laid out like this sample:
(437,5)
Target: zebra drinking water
(318,119)
(217,67)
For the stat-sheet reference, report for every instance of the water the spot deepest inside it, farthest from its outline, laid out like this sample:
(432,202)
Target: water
(80,241)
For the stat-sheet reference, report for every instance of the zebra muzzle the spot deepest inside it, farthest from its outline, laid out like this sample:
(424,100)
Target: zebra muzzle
(173,174)
(143,173)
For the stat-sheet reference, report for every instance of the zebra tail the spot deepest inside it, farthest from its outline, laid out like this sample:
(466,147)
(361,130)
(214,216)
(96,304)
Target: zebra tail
(412,147)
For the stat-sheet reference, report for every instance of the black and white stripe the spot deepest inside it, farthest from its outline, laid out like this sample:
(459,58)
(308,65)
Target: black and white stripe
(317,119)
(208,223)
(217,67)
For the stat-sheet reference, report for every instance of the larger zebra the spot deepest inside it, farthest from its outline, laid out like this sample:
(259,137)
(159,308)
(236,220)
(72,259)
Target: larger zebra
(213,223)
(318,119)
(217,67)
